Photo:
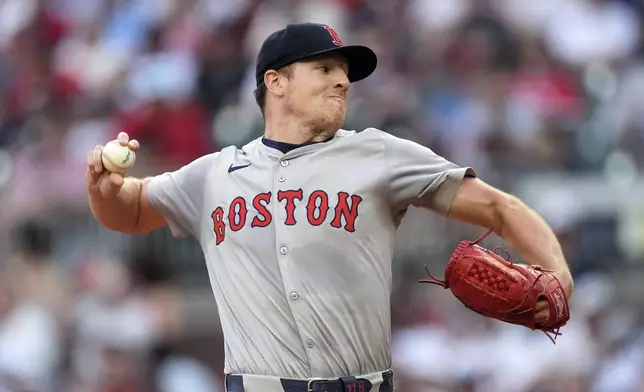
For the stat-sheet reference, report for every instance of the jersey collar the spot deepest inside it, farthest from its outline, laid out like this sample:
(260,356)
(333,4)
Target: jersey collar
(276,154)
(288,147)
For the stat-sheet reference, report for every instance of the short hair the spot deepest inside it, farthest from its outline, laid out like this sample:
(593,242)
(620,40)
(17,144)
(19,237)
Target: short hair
(261,90)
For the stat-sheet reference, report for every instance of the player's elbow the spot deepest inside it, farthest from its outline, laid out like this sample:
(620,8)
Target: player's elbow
(503,207)
(113,224)
(120,223)
(122,227)
(140,229)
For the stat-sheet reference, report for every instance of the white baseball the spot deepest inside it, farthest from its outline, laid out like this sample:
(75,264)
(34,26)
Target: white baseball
(117,158)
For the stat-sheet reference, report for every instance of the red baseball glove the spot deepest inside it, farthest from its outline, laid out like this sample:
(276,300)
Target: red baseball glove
(498,288)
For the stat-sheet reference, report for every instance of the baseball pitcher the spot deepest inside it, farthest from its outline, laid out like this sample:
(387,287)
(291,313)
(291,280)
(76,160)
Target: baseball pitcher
(297,228)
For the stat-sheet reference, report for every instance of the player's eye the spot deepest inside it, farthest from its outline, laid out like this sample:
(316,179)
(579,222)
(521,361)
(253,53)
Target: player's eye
(323,68)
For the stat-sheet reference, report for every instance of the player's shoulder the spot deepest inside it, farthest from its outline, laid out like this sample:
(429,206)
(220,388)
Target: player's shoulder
(205,164)
(369,137)
(224,154)
(207,160)
(376,142)
(362,136)
(365,134)
(248,148)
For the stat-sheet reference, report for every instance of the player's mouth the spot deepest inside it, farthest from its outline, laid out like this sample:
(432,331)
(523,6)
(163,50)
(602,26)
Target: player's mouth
(337,98)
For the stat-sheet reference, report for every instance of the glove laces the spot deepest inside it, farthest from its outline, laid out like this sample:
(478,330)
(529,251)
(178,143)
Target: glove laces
(552,334)
(444,283)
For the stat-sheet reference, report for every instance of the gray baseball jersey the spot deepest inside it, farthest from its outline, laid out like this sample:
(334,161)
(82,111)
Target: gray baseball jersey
(299,245)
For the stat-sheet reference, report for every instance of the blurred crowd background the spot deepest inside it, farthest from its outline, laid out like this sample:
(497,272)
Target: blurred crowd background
(541,97)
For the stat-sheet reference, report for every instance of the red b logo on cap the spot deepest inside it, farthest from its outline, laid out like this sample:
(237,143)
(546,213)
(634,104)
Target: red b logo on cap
(334,35)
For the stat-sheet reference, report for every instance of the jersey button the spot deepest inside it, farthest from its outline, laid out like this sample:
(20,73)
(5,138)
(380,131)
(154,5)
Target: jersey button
(283,250)
(295,296)
(284,163)
(309,343)
(281,178)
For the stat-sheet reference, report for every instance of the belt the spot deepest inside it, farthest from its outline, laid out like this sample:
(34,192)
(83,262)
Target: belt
(235,383)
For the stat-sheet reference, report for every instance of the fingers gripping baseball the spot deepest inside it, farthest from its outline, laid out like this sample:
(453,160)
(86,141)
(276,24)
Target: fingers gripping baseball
(106,165)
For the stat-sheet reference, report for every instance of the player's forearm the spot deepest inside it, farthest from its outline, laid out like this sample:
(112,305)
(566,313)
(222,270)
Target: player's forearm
(527,233)
(119,213)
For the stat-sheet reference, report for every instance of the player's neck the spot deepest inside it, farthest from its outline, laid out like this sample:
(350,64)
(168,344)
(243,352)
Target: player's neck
(293,132)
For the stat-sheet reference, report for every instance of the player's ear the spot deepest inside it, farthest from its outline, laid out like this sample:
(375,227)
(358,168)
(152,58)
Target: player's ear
(274,82)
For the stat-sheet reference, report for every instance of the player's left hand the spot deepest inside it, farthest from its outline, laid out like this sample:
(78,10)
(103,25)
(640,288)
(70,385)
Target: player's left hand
(541,312)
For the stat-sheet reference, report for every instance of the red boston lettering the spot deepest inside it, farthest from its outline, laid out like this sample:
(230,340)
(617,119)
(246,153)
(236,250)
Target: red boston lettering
(314,208)
(237,214)
(349,212)
(290,197)
(219,225)
(260,203)
(346,211)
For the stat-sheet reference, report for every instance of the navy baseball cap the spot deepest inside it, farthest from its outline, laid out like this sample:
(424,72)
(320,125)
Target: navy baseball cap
(300,41)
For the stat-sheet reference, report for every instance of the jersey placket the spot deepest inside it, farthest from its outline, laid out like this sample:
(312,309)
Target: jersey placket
(283,240)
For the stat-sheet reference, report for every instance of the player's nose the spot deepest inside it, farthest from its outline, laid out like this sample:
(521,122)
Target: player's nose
(342,82)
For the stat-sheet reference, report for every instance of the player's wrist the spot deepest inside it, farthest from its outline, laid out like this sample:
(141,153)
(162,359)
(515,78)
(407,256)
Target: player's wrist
(566,281)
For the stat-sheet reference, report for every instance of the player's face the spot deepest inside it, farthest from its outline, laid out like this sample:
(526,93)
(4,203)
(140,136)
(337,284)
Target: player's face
(318,91)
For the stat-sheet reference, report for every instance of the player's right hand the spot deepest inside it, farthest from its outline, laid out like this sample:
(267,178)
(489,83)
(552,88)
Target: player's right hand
(100,182)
